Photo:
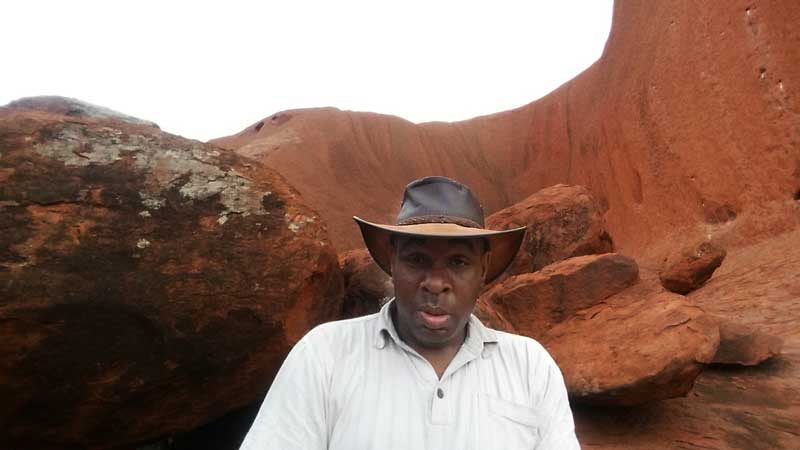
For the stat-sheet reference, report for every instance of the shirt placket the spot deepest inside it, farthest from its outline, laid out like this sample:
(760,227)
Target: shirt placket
(441,412)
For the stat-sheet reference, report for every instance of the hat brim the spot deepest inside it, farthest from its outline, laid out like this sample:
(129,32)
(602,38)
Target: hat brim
(504,244)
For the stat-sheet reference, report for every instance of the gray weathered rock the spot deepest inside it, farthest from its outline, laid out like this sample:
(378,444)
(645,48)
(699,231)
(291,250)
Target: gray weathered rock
(149,283)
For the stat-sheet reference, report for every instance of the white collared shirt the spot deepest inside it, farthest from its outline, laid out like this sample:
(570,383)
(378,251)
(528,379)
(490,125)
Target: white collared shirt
(353,384)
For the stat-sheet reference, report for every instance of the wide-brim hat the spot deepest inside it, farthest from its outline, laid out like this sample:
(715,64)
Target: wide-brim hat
(440,207)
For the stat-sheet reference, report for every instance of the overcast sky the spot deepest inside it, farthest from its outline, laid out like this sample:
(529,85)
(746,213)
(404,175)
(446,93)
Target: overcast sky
(209,69)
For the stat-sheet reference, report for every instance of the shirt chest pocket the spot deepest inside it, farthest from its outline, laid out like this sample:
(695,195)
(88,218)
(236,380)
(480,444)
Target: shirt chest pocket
(509,425)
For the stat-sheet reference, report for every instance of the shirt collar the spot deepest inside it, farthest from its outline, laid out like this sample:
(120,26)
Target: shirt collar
(478,335)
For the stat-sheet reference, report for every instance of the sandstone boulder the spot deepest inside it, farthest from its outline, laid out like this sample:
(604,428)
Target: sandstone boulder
(563,221)
(633,352)
(533,302)
(367,287)
(742,345)
(149,283)
(689,269)
(490,317)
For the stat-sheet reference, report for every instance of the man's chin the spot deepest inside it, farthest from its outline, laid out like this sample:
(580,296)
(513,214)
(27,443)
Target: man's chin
(434,338)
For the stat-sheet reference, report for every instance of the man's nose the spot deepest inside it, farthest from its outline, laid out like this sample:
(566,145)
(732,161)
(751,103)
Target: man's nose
(437,281)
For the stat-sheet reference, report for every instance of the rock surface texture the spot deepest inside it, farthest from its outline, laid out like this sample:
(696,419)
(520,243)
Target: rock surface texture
(635,348)
(740,344)
(533,302)
(562,221)
(148,283)
(688,270)
(730,407)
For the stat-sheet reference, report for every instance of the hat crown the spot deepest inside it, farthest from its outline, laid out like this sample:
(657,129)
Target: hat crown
(440,200)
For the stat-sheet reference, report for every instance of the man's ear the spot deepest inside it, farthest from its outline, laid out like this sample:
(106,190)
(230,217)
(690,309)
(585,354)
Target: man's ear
(485,260)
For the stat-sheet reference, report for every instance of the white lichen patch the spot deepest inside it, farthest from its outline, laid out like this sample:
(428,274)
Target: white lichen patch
(204,155)
(194,173)
(74,147)
(151,202)
(143,243)
(192,169)
(297,222)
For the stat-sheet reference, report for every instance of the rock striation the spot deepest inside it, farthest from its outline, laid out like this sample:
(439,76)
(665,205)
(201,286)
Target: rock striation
(533,302)
(139,270)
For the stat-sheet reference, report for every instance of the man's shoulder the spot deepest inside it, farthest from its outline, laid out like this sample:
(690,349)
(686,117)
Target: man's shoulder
(345,332)
(521,346)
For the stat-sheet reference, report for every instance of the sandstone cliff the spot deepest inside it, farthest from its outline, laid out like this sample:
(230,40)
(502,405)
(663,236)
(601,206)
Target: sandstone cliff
(688,124)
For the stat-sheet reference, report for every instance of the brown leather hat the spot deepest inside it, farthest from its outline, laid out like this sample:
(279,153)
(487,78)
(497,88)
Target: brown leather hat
(444,208)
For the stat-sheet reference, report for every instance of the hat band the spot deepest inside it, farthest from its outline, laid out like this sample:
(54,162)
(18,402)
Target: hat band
(416,220)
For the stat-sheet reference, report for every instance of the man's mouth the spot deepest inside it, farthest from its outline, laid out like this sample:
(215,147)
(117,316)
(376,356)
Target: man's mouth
(433,320)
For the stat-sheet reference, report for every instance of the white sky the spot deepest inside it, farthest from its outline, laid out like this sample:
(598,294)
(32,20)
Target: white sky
(209,69)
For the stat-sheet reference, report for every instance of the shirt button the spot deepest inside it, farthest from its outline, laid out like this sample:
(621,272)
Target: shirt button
(440,393)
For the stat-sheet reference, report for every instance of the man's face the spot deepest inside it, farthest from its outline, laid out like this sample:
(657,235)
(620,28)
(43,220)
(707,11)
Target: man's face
(436,283)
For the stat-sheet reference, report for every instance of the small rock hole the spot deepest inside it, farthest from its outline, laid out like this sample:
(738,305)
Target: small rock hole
(259,125)
(797,195)
(762,72)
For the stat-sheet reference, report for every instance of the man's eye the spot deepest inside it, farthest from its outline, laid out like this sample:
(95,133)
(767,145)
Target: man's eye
(414,259)
(459,262)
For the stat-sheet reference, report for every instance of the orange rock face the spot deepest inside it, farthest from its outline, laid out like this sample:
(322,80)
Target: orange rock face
(730,407)
(687,125)
(688,270)
(563,221)
(148,282)
(633,350)
(533,302)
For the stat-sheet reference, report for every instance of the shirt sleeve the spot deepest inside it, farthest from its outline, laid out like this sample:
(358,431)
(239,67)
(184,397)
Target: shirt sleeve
(293,414)
(559,429)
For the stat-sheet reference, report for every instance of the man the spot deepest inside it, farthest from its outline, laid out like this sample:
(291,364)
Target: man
(423,373)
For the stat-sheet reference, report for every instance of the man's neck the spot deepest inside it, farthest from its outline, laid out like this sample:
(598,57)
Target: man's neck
(438,357)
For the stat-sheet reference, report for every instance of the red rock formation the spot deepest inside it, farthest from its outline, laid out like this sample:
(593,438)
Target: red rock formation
(563,221)
(149,283)
(533,302)
(492,318)
(687,270)
(633,349)
(687,125)
(730,407)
